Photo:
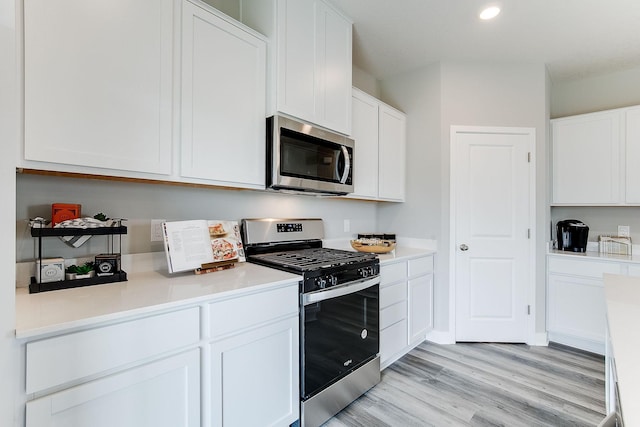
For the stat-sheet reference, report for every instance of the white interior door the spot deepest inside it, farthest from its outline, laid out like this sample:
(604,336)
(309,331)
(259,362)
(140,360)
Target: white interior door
(491,229)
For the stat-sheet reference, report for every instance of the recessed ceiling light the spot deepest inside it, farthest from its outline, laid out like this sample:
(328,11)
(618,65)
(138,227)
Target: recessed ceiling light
(490,13)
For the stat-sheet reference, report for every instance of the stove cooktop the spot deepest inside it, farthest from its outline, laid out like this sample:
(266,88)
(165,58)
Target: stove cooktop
(311,259)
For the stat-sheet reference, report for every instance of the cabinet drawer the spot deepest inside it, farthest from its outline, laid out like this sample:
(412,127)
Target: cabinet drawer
(584,268)
(420,266)
(57,360)
(393,314)
(390,273)
(392,294)
(393,340)
(246,311)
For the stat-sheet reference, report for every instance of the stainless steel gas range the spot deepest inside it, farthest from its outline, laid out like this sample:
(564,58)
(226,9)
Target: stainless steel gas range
(339,311)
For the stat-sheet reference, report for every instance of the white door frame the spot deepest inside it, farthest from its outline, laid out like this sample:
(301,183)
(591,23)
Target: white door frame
(453,170)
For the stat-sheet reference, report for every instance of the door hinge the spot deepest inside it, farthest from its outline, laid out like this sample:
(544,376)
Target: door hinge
(529,310)
(528,233)
(529,157)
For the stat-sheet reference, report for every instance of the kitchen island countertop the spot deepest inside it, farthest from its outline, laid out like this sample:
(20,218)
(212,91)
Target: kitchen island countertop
(623,315)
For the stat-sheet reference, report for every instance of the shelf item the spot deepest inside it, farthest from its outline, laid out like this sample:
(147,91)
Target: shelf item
(619,245)
(118,276)
(63,211)
(35,287)
(58,232)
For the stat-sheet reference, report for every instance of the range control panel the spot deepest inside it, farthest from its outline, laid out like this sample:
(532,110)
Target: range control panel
(290,227)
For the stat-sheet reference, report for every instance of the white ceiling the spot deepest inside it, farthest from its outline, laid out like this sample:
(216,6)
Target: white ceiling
(575,38)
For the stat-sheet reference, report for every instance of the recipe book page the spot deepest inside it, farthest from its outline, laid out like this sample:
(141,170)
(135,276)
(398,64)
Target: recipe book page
(190,244)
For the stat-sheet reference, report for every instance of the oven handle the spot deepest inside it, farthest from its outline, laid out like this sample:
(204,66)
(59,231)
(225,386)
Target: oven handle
(339,291)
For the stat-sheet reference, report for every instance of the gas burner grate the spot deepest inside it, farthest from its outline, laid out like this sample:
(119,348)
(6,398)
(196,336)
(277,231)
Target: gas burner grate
(311,259)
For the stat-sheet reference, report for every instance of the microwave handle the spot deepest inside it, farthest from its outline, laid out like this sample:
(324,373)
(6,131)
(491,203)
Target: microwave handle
(347,165)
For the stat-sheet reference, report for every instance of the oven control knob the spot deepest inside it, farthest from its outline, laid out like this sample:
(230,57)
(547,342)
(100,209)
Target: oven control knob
(333,280)
(321,282)
(364,272)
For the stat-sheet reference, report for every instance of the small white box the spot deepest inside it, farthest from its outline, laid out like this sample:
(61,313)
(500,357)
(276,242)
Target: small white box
(51,270)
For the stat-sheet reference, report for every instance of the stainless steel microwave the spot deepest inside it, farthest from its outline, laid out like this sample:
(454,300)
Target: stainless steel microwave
(304,158)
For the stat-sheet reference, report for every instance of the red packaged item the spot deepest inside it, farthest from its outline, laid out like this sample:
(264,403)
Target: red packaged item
(64,211)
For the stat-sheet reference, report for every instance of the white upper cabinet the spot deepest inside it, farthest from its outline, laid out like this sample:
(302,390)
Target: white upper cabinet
(365,134)
(334,70)
(310,62)
(632,145)
(98,84)
(168,90)
(223,100)
(586,159)
(379,132)
(596,158)
(392,139)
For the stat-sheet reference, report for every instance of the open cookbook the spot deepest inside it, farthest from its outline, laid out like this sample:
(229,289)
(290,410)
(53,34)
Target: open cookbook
(195,244)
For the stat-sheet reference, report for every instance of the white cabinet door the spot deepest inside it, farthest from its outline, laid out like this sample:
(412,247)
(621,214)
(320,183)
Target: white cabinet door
(632,145)
(392,141)
(98,84)
(586,159)
(165,393)
(296,58)
(333,69)
(577,312)
(379,132)
(223,100)
(255,377)
(420,291)
(365,135)
(310,64)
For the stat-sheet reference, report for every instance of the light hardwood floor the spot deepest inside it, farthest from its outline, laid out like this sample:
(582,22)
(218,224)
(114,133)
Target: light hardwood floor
(477,384)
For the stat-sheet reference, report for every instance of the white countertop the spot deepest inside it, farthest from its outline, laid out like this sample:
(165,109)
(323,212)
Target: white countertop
(633,259)
(400,253)
(53,311)
(146,291)
(623,316)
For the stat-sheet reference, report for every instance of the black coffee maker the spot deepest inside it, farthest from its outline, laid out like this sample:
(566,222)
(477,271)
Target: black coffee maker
(572,235)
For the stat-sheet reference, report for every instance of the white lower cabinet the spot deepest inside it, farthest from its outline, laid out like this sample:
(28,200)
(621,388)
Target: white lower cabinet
(254,359)
(406,306)
(420,297)
(253,377)
(239,353)
(164,393)
(576,311)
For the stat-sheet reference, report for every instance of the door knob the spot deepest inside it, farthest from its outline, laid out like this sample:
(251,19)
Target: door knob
(464,247)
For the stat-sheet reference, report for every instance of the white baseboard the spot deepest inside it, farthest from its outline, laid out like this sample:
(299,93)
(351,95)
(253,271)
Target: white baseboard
(590,345)
(441,337)
(539,339)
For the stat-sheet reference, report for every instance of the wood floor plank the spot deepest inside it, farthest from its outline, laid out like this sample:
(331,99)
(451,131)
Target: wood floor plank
(508,373)
(483,385)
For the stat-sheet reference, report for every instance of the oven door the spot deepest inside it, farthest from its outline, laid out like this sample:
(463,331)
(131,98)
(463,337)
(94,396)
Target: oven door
(339,332)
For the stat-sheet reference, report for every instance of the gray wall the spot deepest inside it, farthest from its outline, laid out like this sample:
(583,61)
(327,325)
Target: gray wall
(452,93)
(229,7)
(140,203)
(597,93)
